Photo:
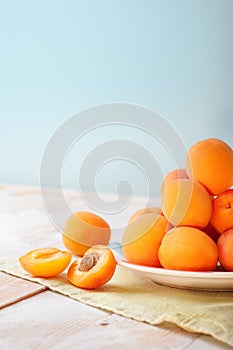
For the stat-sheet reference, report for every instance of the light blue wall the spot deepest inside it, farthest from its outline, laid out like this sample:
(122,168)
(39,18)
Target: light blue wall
(59,57)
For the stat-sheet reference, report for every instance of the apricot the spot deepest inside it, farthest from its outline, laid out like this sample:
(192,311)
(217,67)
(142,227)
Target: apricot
(225,250)
(84,230)
(188,249)
(94,270)
(148,210)
(186,203)
(210,162)
(173,175)
(45,262)
(222,217)
(142,238)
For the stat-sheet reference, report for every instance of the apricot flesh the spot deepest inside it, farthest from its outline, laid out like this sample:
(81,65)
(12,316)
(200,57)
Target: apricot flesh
(45,262)
(94,270)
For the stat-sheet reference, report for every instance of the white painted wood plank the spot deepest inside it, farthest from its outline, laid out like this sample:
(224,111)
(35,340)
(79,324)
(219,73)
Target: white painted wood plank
(51,321)
(13,289)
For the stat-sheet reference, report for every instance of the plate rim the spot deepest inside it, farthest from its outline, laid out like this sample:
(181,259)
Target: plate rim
(177,273)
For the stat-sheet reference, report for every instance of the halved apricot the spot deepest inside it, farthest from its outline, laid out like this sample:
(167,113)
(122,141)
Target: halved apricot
(95,269)
(45,262)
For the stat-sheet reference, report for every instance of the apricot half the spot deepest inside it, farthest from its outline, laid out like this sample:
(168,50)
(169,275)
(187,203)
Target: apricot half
(142,238)
(95,269)
(45,262)
(188,249)
(84,230)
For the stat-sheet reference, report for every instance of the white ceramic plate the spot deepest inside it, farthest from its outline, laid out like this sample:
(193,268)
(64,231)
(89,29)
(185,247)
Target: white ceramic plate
(212,281)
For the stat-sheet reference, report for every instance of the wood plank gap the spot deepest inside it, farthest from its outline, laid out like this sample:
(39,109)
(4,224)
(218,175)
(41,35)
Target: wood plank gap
(14,289)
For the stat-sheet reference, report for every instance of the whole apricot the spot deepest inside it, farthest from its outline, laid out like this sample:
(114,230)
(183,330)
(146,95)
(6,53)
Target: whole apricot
(173,175)
(188,249)
(210,162)
(148,210)
(186,203)
(225,249)
(84,230)
(142,238)
(222,217)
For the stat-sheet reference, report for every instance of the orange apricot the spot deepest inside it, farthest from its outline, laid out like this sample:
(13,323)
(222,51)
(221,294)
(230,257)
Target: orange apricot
(174,175)
(225,249)
(94,270)
(142,238)
(148,210)
(186,203)
(45,262)
(84,230)
(210,162)
(222,217)
(188,249)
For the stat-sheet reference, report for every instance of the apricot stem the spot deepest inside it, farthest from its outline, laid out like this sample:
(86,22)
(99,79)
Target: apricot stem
(88,261)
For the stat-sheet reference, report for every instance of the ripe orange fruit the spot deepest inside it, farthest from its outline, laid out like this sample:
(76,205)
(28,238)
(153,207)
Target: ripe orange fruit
(188,249)
(186,203)
(222,217)
(211,163)
(225,249)
(45,262)
(142,238)
(84,230)
(148,210)
(174,175)
(95,269)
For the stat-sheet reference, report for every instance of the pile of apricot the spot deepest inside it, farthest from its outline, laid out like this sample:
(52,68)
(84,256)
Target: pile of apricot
(193,228)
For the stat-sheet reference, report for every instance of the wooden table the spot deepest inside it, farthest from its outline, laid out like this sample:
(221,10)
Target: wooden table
(33,317)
